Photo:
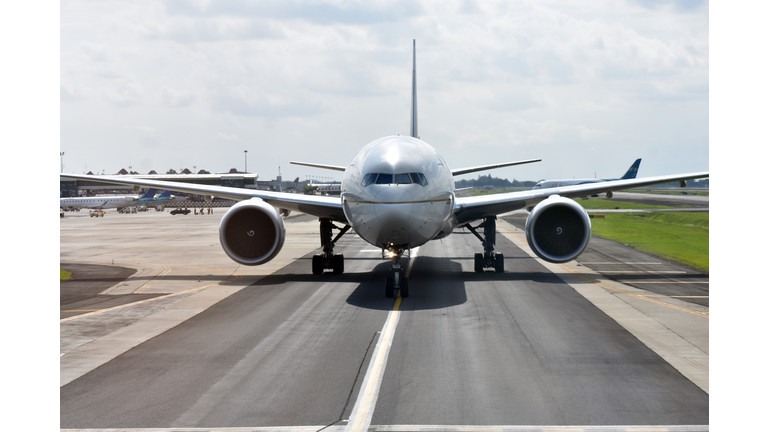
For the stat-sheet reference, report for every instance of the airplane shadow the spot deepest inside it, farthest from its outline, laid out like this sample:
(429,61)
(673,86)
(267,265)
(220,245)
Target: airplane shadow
(434,283)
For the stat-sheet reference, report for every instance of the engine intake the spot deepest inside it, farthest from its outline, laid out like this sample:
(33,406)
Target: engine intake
(252,232)
(558,229)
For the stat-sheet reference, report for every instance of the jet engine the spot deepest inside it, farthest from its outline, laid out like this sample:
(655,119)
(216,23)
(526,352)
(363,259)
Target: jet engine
(558,229)
(252,232)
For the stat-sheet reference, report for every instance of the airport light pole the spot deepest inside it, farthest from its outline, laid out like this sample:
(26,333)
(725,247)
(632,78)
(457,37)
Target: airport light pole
(246,160)
(61,154)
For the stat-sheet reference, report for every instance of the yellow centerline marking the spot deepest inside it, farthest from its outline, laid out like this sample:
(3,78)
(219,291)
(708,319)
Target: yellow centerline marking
(639,296)
(360,419)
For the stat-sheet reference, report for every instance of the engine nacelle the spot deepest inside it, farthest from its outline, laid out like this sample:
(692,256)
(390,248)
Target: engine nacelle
(252,232)
(558,229)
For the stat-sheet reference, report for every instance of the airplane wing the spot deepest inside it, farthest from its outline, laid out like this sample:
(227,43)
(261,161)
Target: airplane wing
(461,171)
(468,209)
(314,165)
(320,206)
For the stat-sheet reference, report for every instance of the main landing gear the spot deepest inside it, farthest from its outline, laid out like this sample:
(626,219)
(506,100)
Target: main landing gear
(488,259)
(398,279)
(327,259)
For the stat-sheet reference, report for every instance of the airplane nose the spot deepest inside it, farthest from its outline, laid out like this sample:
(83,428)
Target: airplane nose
(393,206)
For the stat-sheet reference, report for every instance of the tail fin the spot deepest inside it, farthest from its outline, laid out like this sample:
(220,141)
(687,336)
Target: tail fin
(414,115)
(632,172)
(166,194)
(150,193)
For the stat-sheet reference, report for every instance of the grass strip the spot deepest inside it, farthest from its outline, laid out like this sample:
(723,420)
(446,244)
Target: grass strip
(604,204)
(64,275)
(682,237)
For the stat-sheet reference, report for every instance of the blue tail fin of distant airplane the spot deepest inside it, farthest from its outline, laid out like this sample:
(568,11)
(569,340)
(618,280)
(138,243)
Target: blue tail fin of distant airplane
(150,193)
(632,172)
(165,194)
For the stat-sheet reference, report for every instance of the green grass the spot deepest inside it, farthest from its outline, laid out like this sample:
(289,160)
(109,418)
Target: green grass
(603,204)
(682,237)
(64,275)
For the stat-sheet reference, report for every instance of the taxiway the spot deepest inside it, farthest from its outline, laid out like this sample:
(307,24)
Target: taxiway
(223,347)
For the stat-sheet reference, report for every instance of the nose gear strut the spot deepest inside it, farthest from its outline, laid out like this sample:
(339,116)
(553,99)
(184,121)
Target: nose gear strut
(488,259)
(398,280)
(327,260)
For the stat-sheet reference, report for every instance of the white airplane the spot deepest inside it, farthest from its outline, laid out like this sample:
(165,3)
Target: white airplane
(105,202)
(630,174)
(398,193)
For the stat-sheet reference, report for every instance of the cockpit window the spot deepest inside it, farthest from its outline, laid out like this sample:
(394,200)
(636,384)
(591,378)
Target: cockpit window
(419,178)
(369,178)
(402,178)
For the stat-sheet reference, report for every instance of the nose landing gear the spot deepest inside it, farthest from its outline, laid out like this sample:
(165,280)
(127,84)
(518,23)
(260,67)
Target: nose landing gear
(398,280)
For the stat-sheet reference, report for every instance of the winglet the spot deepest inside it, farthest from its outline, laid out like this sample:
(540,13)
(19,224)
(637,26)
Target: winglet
(414,115)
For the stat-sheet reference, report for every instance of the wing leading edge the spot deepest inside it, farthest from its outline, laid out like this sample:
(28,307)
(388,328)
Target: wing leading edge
(319,206)
(468,209)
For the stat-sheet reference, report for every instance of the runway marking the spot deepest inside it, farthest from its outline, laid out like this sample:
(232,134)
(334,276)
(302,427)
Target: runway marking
(166,270)
(360,419)
(237,277)
(639,296)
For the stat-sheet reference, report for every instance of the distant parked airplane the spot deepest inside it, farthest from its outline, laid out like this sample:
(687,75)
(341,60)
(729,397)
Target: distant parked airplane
(546,184)
(105,202)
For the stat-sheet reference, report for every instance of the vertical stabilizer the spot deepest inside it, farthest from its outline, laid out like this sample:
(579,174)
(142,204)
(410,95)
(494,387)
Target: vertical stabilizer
(414,114)
(632,172)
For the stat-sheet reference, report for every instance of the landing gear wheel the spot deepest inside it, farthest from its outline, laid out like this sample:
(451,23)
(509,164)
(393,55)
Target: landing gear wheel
(499,264)
(404,288)
(338,263)
(389,291)
(317,264)
(479,263)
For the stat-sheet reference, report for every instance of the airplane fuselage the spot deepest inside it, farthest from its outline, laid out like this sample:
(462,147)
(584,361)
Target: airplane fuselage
(97,202)
(398,193)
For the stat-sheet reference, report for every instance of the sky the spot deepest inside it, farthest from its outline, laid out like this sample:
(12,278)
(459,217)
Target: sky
(588,86)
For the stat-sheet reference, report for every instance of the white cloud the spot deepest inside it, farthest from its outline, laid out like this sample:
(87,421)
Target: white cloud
(126,93)
(177,98)
(511,77)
